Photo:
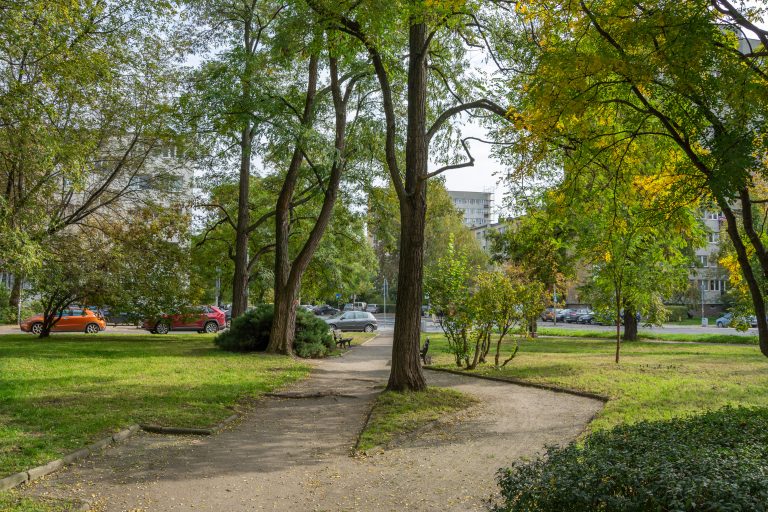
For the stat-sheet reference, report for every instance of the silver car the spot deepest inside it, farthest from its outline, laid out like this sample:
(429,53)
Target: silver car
(354,321)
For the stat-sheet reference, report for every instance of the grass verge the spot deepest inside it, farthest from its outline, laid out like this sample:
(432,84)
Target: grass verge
(60,394)
(395,414)
(644,335)
(653,381)
(11,502)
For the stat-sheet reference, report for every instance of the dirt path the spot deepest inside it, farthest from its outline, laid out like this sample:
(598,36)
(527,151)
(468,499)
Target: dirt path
(293,453)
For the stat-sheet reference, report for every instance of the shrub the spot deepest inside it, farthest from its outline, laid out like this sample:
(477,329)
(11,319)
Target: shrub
(677,313)
(716,461)
(250,333)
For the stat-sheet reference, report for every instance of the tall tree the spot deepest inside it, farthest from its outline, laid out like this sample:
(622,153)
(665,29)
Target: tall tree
(327,167)
(231,103)
(434,90)
(85,91)
(592,71)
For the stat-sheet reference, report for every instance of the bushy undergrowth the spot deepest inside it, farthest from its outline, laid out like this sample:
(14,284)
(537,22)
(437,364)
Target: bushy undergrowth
(250,333)
(716,461)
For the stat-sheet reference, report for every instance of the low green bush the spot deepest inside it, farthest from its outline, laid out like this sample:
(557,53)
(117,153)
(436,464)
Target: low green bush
(250,333)
(716,461)
(677,313)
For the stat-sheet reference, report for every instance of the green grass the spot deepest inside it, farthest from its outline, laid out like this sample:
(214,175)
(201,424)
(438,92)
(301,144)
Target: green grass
(60,394)
(12,502)
(395,414)
(662,336)
(653,381)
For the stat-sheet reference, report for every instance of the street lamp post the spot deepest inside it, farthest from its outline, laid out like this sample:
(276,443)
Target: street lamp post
(704,321)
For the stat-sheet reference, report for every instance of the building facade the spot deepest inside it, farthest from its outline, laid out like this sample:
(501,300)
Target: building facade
(477,207)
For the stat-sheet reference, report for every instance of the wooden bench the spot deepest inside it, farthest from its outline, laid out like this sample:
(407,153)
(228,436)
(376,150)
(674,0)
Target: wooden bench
(338,337)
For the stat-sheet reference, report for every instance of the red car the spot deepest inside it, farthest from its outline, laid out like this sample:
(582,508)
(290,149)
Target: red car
(203,319)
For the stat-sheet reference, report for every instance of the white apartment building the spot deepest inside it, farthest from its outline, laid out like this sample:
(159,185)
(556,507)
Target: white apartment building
(476,206)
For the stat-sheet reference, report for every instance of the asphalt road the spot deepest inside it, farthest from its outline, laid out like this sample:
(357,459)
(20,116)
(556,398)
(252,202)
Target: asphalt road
(387,323)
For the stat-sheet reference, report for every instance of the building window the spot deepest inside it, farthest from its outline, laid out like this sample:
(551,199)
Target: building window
(713,237)
(712,215)
(703,260)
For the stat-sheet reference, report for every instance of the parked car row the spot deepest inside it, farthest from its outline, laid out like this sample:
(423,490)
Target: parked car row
(209,319)
(727,319)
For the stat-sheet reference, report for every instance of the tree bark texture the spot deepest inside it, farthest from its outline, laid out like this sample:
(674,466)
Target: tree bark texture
(630,323)
(406,371)
(240,279)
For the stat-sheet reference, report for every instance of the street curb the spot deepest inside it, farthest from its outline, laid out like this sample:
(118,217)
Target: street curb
(38,472)
(510,380)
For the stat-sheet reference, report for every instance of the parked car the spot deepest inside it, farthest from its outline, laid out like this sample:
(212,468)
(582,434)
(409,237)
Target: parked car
(372,308)
(72,319)
(586,318)
(203,319)
(573,315)
(561,313)
(326,310)
(547,315)
(354,321)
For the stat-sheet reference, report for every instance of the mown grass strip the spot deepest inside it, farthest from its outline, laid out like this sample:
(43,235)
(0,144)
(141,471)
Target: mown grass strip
(653,381)
(395,414)
(61,394)
(645,335)
(12,502)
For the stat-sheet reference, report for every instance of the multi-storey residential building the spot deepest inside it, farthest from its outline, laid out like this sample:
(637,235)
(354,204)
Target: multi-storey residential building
(476,206)
(481,232)
(708,279)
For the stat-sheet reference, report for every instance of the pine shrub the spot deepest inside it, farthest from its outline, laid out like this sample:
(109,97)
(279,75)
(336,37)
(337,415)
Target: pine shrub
(250,333)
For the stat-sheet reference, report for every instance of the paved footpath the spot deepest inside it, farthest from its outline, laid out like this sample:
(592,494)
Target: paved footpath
(294,453)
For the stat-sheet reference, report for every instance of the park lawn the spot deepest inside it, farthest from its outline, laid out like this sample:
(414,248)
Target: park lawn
(60,394)
(10,501)
(653,381)
(646,335)
(394,413)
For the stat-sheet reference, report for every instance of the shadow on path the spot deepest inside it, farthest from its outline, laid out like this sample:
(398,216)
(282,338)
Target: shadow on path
(293,453)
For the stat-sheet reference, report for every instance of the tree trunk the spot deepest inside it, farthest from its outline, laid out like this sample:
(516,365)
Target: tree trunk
(283,323)
(618,326)
(13,302)
(240,279)
(288,273)
(630,323)
(406,373)
(749,276)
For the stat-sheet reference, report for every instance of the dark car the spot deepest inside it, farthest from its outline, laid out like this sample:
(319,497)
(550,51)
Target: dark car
(353,321)
(587,318)
(573,315)
(325,310)
(202,319)
(561,314)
